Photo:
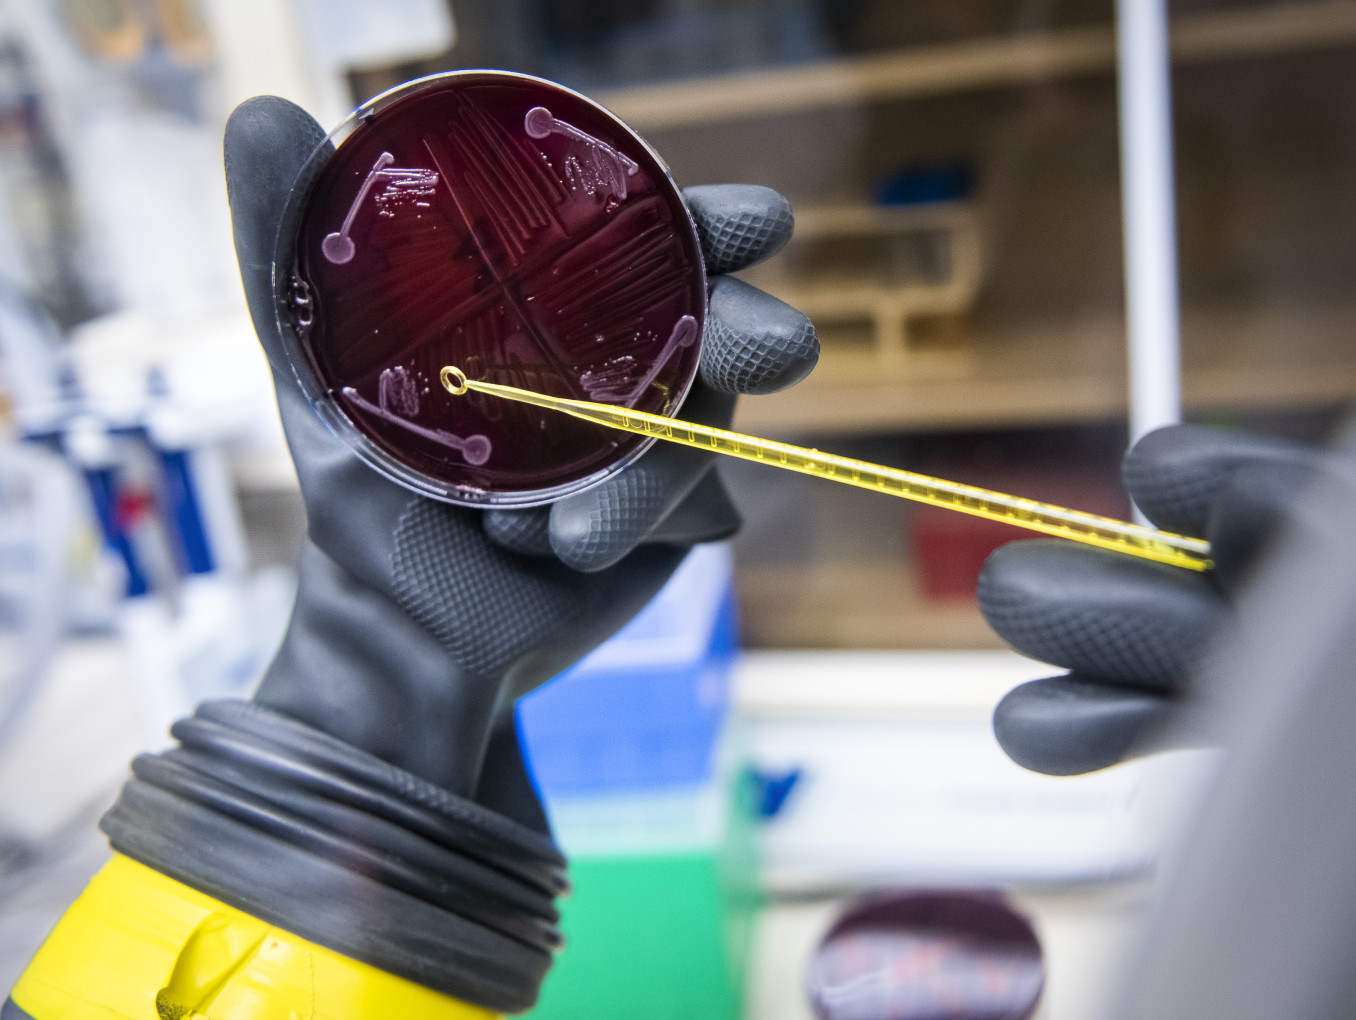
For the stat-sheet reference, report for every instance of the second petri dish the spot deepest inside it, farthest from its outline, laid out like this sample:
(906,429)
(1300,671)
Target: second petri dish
(510,227)
(927,954)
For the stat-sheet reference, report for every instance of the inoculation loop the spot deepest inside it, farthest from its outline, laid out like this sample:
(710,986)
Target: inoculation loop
(453,380)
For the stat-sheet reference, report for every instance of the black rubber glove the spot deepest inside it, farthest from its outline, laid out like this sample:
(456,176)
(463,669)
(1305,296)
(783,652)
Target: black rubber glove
(372,798)
(1131,631)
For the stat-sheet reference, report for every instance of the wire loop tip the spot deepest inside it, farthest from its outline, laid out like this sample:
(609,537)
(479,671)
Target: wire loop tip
(454,380)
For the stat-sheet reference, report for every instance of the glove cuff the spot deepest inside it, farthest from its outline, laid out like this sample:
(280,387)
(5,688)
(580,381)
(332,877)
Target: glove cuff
(326,841)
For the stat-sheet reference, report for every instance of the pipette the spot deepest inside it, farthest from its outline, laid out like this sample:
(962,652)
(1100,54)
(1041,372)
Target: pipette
(1091,529)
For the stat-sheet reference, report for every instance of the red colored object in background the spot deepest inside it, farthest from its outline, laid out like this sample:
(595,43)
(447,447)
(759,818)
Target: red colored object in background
(949,548)
(512,228)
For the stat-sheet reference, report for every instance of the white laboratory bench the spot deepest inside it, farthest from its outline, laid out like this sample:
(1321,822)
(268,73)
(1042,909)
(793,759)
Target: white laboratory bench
(902,785)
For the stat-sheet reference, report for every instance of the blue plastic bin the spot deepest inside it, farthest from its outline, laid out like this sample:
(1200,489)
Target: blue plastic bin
(644,712)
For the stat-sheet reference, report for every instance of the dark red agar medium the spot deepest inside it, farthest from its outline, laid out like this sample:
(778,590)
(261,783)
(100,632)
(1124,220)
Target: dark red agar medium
(927,955)
(512,228)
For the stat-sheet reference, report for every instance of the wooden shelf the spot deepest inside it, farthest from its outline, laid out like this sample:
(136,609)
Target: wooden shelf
(850,220)
(852,605)
(967,66)
(1009,353)
(1068,372)
(890,299)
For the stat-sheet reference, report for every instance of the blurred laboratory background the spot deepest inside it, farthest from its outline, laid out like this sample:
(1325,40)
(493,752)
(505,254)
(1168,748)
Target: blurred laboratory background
(801,719)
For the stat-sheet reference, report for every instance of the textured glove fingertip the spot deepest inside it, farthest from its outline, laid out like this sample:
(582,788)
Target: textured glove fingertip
(1250,512)
(595,529)
(755,343)
(526,532)
(707,515)
(1141,624)
(738,224)
(1180,475)
(1066,726)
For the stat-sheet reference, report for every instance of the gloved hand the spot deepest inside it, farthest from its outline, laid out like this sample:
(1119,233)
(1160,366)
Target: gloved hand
(472,627)
(372,798)
(1129,631)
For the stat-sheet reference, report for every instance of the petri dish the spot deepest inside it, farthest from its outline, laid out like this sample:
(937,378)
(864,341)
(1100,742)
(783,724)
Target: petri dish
(927,954)
(511,227)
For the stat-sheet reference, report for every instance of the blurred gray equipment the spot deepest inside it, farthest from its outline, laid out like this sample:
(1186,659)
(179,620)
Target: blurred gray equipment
(40,242)
(1259,919)
(38,500)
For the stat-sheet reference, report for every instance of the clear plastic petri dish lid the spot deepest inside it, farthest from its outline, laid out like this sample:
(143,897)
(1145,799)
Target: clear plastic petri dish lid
(510,227)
